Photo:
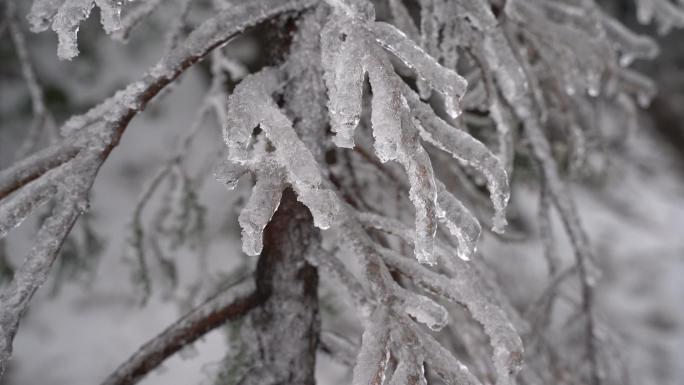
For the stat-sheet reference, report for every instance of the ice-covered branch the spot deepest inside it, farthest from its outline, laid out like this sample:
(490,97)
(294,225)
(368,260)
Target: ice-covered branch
(229,305)
(349,53)
(668,14)
(41,116)
(134,17)
(92,136)
(465,288)
(33,272)
(373,356)
(339,348)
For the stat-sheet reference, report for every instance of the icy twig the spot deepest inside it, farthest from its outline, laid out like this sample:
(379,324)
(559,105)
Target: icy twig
(464,288)
(215,312)
(41,116)
(371,362)
(33,273)
(339,348)
(134,17)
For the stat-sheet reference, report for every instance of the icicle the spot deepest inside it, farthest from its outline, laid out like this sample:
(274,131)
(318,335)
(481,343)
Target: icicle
(425,310)
(459,221)
(66,24)
(259,210)
(344,77)
(396,138)
(252,105)
(443,80)
(110,14)
(468,150)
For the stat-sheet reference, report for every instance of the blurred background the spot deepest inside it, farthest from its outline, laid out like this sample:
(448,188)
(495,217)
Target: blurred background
(88,318)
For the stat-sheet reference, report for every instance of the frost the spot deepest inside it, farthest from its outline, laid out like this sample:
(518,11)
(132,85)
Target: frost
(66,16)
(406,373)
(66,24)
(110,14)
(42,13)
(250,106)
(403,20)
(134,17)
(14,210)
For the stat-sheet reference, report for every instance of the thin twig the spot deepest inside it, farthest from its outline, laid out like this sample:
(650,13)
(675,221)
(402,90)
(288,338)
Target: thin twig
(226,306)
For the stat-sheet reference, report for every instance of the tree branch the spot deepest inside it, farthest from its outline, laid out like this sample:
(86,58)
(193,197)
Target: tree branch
(227,306)
(105,126)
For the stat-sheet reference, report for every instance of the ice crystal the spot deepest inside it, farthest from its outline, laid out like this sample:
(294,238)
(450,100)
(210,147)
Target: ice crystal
(66,16)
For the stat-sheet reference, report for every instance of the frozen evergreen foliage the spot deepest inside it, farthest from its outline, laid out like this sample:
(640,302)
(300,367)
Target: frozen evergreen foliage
(250,106)
(369,119)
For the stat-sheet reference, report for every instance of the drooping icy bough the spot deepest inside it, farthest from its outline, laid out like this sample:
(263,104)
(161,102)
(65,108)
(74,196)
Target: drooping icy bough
(465,286)
(284,158)
(276,157)
(351,51)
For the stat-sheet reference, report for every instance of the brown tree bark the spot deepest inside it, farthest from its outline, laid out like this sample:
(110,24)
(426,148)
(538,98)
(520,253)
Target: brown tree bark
(282,333)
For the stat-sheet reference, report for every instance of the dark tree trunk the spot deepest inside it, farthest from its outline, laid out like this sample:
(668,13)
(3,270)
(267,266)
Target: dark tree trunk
(285,328)
(279,339)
